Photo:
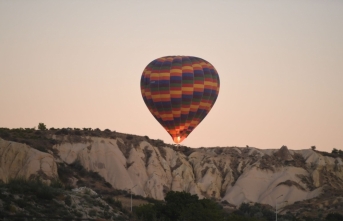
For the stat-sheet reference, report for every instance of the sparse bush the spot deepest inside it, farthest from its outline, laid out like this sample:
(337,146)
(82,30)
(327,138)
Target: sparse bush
(37,187)
(4,133)
(11,208)
(55,183)
(109,200)
(78,214)
(256,211)
(114,202)
(63,131)
(45,192)
(87,191)
(334,217)
(107,184)
(38,132)
(80,183)
(77,132)
(162,151)
(67,200)
(92,213)
(79,168)
(53,142)
(95,175)
(21,203)
(334,151)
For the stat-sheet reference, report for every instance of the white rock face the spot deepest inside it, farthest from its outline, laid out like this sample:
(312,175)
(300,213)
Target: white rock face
(233,174)
(21,161)
(255,185)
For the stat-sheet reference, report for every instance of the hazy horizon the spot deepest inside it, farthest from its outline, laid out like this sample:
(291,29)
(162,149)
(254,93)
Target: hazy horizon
(78,64)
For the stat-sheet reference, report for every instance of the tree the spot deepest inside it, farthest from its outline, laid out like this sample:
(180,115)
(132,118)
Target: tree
(177,203)
(313,147)
(41,126)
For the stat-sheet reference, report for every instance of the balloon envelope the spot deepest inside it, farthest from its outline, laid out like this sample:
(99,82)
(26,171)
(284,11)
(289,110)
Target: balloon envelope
(179,91)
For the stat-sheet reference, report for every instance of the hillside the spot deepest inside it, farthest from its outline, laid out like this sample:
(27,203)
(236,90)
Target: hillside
(302,182)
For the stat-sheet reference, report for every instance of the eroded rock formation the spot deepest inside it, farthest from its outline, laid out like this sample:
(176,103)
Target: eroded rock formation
(232,174)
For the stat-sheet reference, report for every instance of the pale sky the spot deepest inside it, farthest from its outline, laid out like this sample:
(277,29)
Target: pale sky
(78,64)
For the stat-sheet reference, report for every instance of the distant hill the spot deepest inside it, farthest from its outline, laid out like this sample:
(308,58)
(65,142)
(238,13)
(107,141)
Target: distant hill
(301,182)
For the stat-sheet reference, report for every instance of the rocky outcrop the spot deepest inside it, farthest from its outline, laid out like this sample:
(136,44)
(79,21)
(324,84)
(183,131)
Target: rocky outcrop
(283,154)
(18,160)
(233,174)
(229,174)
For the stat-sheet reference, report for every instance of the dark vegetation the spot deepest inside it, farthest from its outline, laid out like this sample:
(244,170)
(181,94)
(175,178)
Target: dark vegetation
(85,178)
(180,206)
(43,139)
(34,200)
(40,140)
(334,153)
(92,180)
(187,207)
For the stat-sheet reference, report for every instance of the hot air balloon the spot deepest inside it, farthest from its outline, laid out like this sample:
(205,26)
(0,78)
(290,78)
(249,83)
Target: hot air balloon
(179,91)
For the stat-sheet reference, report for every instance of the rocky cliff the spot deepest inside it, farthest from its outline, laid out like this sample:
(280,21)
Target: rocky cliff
(230,174)
(18,160)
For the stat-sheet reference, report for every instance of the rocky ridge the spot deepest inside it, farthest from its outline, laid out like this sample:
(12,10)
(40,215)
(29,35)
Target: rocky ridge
(230,174)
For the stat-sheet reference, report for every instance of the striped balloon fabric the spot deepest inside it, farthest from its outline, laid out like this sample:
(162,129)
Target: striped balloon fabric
(179,91)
